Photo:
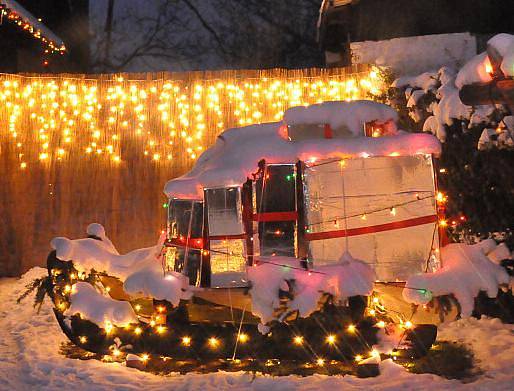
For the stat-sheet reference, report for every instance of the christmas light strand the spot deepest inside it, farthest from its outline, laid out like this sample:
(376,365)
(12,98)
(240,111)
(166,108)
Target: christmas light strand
(20,17)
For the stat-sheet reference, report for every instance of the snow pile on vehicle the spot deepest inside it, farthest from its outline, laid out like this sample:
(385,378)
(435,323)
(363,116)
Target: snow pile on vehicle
(88,254)
(276,277)
(466,271)
(235,155)
(478,69)
(97,230)
(102,310)
(140,269)
(351,115)
(150,282)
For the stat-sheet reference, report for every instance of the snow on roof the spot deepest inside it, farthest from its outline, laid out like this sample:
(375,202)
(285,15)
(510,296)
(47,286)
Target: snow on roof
(27,17)
(348,114)
(234,156)
(477,69)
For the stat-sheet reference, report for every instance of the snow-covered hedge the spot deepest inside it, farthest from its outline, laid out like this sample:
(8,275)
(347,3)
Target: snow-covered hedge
(433,98)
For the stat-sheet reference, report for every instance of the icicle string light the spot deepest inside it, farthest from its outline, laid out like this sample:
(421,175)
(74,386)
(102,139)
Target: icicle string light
(166,118)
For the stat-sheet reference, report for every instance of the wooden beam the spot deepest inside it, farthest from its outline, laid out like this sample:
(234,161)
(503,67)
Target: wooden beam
(496,91)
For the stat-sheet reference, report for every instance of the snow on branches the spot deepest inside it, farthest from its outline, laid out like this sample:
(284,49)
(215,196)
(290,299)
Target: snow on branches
(140,269)
(102,310)
(466,271)
(433,97)
(276,278)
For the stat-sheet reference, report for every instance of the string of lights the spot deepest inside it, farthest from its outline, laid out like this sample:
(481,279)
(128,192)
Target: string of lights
(169,119)
(390,208)
(20,17)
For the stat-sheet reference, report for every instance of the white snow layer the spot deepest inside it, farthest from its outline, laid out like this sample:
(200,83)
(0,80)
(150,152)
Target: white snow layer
(98,230)
(426,81)
(348,278)
(413,55)
(88,254)
(234,156)
(150,282)
(351,115)
(30,359)
(465,272)
(476,70)
(449,106)
(140,269)
(92,305)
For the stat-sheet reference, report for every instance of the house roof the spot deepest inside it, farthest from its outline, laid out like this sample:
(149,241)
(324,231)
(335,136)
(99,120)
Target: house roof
(23,18)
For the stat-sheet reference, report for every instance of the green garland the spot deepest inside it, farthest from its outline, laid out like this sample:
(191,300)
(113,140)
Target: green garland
(332,340)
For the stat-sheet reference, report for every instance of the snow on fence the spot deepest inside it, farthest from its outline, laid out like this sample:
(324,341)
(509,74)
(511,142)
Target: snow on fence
(82,148)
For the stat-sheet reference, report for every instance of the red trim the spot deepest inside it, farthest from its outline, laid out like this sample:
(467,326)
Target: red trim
(196,243)
(275,216)
(372,229)
(328,131)
(228,237)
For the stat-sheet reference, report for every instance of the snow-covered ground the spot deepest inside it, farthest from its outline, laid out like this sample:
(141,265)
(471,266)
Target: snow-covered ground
(30,359)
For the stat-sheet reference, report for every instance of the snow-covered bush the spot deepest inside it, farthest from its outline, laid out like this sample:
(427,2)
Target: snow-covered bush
(478,143)
(467,270)
(95,307)
(432,98)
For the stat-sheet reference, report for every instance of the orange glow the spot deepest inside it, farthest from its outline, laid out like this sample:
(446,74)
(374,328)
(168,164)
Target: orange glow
(488,67)
(161,117)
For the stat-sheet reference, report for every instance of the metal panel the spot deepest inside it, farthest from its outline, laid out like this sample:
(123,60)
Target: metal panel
(274,208)
(185,231)
(227,237)
(381,194)
(224,211)
(228,263)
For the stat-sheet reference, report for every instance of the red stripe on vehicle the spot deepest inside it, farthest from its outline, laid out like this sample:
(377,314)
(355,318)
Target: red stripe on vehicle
(275,216)
(228,237)
(196,243)
(372,228)
(328,131)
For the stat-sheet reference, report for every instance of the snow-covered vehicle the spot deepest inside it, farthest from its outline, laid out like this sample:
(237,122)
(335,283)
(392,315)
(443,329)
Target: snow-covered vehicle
(331,178)
(286,226)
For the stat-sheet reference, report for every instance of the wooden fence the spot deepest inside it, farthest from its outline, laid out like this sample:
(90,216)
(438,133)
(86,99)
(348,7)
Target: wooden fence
(76,149)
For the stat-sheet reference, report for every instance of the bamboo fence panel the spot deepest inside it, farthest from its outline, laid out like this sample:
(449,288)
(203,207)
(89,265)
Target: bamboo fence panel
(76,149)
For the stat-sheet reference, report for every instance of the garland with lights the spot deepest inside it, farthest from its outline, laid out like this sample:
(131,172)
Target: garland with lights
(17,15)
(333,340)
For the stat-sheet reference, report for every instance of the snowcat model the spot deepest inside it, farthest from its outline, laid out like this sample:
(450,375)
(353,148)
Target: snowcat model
(372,194)
(277,241)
